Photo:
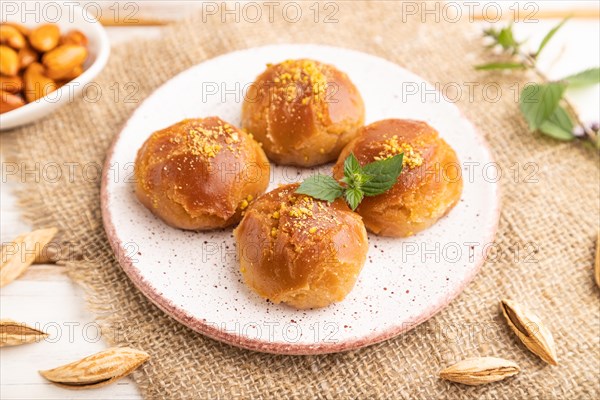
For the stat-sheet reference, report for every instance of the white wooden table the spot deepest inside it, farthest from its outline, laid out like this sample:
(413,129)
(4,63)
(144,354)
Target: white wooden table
(45,297)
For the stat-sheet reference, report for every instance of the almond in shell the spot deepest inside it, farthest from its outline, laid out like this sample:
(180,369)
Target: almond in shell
(597,263)
(98,369)
(530,330)
(480,371)
(14,333)
(19,255)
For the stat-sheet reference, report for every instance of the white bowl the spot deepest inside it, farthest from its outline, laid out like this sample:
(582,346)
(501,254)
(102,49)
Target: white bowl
(67,17)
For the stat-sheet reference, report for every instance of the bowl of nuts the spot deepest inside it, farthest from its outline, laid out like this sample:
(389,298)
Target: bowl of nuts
(46,60)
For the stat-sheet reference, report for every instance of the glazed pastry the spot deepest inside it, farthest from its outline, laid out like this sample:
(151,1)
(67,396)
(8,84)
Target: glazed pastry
(303,112)
(300,251)
(200,173)
(429,186)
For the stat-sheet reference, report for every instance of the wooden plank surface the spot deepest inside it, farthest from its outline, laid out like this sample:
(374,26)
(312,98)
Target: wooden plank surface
(45,297)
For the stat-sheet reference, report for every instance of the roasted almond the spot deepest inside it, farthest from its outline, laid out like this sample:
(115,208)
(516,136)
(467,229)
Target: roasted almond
(37,85)
(27,55)
(479,371)
(44,37)
(74,37)
(9,61)
(65,75)
(14,333)
(98,369)
(9,101)
(61,83)
(11,84)
(65,57)
(75,72)
(11,36)
(20,254)
(21,28)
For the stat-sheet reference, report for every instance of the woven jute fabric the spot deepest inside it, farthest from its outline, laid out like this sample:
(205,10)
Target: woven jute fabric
(543,254)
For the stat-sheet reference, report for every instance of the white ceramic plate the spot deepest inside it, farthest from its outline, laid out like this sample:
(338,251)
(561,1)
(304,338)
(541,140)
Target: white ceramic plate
(67,17)
(194,276)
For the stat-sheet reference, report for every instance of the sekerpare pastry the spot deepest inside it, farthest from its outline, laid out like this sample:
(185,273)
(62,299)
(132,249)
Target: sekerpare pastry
(200,174)
(303,112)
(297,250)
(429,186)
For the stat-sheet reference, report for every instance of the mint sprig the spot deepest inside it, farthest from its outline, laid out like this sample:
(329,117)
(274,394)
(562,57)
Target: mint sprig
(544,105)
(322,187)
(538,102)
(371,180)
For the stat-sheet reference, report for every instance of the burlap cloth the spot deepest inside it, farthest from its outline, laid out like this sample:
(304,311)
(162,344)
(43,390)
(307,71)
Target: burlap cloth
(556,215)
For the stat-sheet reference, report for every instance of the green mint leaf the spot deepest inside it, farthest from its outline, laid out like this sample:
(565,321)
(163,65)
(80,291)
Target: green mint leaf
(372,179)
(354,175)
(538,102)
(500,65)
(506,38)
(383,175)
(353,197)
(321,187)
(588,77)
(559,126)
(549,36)
(352,166)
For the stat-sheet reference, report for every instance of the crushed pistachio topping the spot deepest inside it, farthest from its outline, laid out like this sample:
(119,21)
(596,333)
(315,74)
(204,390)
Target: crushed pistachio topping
(300,81)
(303,213)
(391,147)
(306,72)
(246,202)
(204,141)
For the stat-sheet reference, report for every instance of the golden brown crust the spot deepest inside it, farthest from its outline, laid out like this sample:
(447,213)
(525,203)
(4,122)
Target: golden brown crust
(429,186)
(300,251)
(200,173)
(303,112)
